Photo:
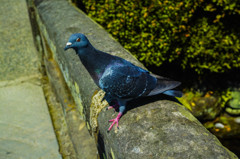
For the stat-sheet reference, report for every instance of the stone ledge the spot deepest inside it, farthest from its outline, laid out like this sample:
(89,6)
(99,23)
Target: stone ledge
(159,128)
(26,127)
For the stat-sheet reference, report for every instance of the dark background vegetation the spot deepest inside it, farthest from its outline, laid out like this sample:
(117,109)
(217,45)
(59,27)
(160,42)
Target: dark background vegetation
(199,35)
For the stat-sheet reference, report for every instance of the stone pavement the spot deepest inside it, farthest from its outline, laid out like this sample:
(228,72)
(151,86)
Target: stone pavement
(26,129)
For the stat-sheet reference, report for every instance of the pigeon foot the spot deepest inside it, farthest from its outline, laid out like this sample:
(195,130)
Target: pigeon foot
(115,106)
(115,121)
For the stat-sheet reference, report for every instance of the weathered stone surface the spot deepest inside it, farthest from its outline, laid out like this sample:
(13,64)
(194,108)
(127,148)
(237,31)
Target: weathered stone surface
(156,130)
(18,56)
(162,129)
(25,125)
(83,143)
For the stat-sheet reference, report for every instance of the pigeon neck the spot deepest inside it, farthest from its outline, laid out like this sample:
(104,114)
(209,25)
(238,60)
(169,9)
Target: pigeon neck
(94,61)
(83,50)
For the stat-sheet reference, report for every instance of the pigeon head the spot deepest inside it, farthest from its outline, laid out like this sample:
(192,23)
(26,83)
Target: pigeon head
(77,41)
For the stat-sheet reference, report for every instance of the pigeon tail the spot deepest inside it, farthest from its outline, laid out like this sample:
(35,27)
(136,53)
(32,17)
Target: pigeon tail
(173,93)
(163,85)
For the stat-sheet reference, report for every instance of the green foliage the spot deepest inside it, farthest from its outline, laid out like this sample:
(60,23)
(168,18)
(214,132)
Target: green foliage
(225,96)
(193,34)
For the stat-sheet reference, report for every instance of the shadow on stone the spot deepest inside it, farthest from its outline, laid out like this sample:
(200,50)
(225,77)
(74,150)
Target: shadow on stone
(101,146)
(146,100)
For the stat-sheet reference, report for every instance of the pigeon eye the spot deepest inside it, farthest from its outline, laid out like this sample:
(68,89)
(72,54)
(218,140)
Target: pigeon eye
(78,39)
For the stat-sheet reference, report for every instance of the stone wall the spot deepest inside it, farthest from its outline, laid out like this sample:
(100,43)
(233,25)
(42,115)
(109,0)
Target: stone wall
(156,127)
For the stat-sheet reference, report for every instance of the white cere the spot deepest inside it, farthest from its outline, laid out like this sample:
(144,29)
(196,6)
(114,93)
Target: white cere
(69,43)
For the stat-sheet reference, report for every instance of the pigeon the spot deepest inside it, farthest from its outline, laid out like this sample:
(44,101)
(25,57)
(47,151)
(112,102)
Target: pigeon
(121,80)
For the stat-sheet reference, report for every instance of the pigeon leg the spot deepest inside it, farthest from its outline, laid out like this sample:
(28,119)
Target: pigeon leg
(116,120)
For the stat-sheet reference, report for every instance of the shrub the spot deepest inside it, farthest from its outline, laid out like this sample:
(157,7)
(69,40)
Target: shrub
(193,34)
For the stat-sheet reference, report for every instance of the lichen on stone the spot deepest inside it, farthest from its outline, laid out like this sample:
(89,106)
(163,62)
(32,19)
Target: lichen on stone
(96,106)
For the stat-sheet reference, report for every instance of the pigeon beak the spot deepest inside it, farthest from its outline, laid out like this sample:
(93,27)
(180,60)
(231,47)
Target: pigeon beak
(68,45)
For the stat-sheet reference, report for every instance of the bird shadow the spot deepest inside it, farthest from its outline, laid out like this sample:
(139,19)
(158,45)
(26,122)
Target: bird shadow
(101,146)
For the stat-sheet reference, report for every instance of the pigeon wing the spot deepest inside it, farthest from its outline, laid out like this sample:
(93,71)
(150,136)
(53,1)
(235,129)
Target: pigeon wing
(122,80)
